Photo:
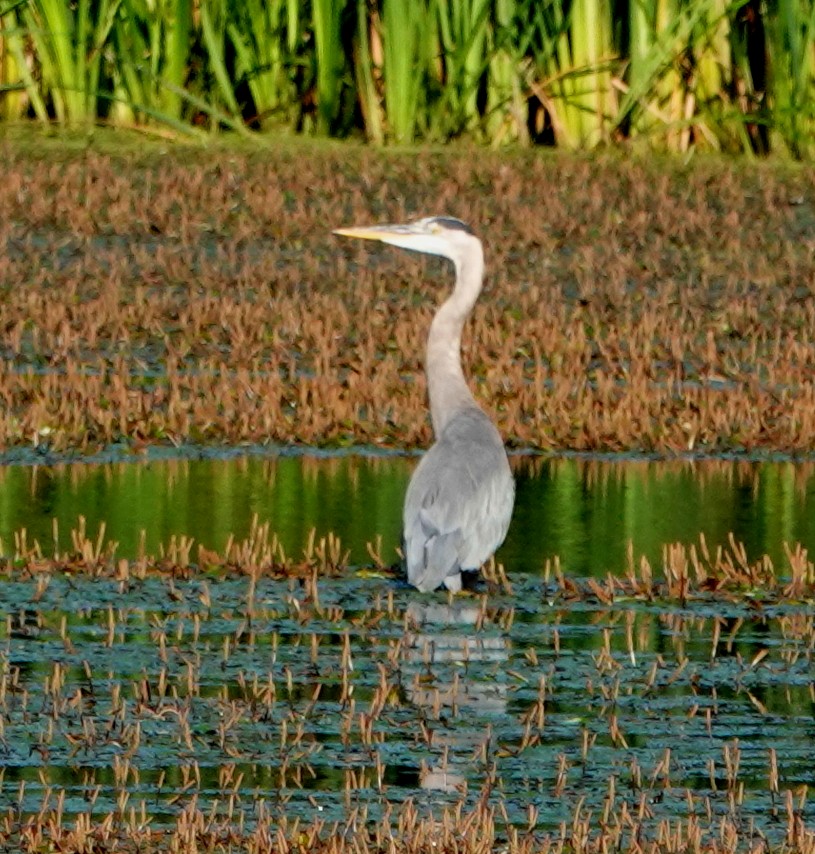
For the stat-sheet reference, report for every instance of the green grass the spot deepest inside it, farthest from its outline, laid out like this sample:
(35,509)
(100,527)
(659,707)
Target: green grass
(725,75)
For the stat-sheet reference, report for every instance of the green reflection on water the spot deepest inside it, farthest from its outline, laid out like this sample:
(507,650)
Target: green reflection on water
(585,511)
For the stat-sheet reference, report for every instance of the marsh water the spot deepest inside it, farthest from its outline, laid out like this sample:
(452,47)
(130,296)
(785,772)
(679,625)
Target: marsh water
(584,510)
(263,695)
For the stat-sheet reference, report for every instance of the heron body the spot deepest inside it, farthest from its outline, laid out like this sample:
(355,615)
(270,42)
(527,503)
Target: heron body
(460,498)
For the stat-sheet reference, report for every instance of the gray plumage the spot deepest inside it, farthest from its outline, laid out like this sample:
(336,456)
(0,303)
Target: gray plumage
(459,501)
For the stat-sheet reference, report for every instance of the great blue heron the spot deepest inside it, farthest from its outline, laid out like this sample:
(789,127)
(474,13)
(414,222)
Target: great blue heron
(460,498)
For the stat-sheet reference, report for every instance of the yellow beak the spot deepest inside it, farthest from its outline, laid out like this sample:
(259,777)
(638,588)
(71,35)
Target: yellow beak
(374,232)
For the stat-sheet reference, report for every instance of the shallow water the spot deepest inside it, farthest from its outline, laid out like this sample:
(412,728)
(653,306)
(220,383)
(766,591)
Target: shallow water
(278,697)
(586,511)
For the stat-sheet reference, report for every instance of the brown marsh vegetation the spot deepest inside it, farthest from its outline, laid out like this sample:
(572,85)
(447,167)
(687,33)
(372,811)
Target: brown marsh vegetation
(197,295)
(271,707)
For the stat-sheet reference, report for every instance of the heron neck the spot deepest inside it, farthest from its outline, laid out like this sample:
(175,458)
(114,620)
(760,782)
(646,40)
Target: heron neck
(447,387)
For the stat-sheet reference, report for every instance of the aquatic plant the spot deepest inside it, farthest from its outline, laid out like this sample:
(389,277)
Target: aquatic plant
(238,704)
(149,299)
(729,74)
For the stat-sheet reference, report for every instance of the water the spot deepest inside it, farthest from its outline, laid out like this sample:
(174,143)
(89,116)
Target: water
(271,697)
(585,511)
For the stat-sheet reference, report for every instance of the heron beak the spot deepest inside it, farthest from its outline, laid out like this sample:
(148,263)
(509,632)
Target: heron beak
(411,236)
(374,232)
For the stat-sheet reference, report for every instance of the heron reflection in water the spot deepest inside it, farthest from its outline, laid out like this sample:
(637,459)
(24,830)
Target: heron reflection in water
(453,667)
(459,500)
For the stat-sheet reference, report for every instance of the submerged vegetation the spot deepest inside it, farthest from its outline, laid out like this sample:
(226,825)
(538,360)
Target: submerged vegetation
(719,74)
(255,702)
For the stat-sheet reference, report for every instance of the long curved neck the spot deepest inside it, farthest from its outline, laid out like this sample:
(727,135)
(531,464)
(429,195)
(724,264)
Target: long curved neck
(447,388)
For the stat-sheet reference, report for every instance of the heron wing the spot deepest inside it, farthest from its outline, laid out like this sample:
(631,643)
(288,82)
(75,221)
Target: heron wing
(458,504)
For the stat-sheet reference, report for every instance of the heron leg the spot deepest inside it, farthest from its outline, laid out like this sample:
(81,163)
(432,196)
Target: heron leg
(453,582)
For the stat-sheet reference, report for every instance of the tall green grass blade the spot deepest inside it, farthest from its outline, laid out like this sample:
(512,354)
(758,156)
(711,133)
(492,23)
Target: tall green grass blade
(249,69)
(592,53)
(159,118)
(404,23)
(506,119)
(326,16)
(177,32)
(369,100)
(214,112)
(791,36)
(213,28)
(50,26)
(129,76)
(292,24)
(8,8)
(83,28)
(99,33)
(15,67)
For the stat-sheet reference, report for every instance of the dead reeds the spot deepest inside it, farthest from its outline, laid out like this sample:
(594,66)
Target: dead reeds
(156,299)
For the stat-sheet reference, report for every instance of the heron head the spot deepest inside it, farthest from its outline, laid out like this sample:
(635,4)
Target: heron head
(434,235)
